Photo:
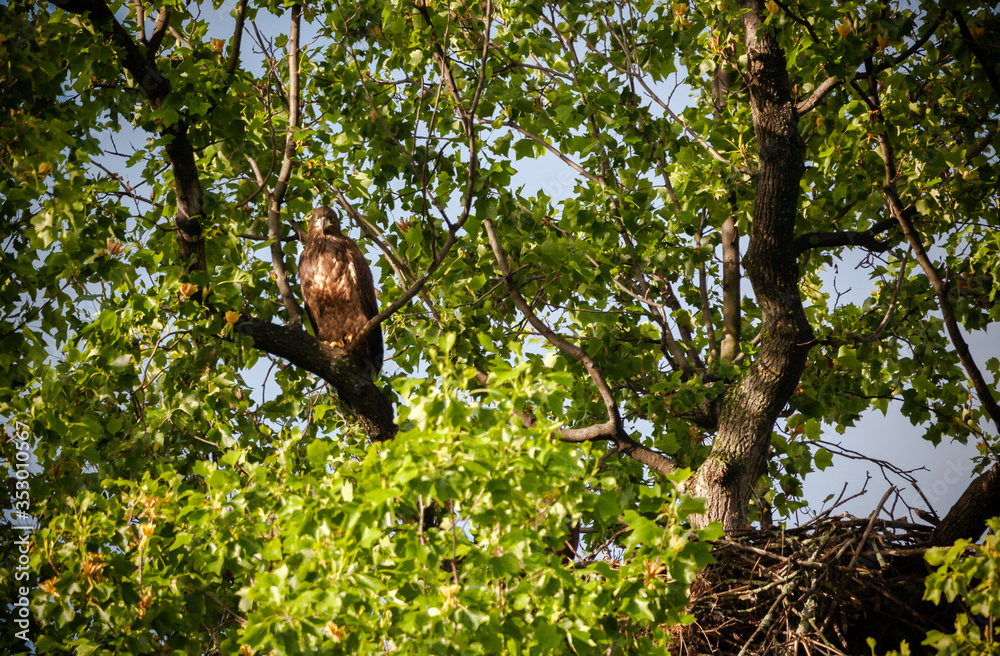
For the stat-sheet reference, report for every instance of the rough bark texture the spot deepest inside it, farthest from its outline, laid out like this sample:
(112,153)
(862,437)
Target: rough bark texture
(187,187)
(739,454)
(967,518)
(731,313)
(372,410)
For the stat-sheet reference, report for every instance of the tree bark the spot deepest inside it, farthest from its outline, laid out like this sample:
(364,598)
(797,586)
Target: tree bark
(372,410)
(750,408)
(731,296)
(967,518)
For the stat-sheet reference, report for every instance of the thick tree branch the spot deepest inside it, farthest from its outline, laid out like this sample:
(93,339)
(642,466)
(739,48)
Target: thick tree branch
(140,21)
(941,291)
(732,296)
(370,407)
(144,72)
(623,443)
(817,96)
(234,53)
(233,61)
(967,518)
(732,313)
(706,303)
(868,239)
(156,38)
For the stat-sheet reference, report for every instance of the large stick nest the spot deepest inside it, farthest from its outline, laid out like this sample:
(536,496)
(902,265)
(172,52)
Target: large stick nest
(821,588)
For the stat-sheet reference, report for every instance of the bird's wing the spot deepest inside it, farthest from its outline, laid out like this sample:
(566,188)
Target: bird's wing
(307,271)
(364,283)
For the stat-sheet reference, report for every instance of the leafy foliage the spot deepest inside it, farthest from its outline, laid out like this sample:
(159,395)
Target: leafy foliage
(196,494)
(967,572)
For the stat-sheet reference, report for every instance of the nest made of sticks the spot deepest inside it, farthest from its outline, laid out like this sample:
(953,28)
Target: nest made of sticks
(821,588)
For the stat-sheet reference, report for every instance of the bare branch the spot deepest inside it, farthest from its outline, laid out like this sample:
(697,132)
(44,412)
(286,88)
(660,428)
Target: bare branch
(940,287)
(156,38)
(891,309)
(867,239)
(140,21)
(354,386)
(817,96)
(234,53)
(868,529)
(277,197)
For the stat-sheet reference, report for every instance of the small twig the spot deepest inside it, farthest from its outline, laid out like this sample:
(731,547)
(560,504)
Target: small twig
(871,525)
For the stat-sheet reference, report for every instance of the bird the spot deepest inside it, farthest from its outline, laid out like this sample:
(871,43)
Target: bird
(339,291)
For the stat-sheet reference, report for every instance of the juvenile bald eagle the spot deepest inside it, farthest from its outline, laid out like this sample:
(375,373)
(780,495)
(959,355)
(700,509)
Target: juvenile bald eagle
(338,289)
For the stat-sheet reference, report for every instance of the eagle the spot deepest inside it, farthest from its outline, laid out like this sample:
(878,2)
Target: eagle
(338,290)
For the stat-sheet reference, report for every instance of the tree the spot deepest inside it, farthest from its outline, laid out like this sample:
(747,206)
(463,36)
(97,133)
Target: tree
(583,392)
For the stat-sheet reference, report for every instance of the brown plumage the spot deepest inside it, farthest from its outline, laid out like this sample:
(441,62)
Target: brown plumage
(338,289)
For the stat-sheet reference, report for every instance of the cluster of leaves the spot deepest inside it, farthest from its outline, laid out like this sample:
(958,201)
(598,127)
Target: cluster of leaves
(967,574)
(971,573)
(293,544)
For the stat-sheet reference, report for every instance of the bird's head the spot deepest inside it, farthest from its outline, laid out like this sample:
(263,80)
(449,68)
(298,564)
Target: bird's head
(325,220)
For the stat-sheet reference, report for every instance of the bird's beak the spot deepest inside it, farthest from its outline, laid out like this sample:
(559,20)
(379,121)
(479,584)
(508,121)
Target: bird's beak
(330,223)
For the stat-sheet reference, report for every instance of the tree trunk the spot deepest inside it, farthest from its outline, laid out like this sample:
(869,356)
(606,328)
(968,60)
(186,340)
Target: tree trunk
(739,454)
(967,518)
